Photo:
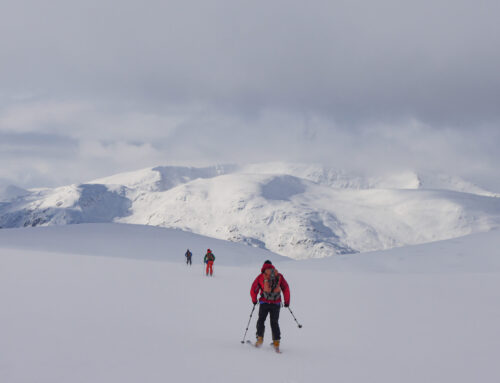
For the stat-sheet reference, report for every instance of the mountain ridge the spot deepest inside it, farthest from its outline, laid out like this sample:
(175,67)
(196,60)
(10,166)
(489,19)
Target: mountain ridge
(297,210)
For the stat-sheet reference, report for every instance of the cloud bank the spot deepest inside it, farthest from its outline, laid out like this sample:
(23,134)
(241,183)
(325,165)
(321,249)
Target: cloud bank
(96,87)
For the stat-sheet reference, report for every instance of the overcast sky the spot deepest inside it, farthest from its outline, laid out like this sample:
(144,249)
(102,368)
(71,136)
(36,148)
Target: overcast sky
(90,88)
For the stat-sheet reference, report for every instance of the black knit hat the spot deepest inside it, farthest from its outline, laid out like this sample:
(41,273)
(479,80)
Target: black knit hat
(268,262)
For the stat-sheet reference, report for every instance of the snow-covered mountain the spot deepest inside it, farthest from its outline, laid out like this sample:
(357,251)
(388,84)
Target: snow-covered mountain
(300,211)
(11,192)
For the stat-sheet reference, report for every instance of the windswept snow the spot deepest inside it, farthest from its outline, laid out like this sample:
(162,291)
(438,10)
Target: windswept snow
(299,211)
(75,311)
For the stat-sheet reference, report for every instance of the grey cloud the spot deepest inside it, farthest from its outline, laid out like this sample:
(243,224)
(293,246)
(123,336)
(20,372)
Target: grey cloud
(35,145)
(434,61)
(356,84)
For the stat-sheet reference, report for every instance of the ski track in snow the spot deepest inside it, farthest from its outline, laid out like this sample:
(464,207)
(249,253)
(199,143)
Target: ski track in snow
(116,303)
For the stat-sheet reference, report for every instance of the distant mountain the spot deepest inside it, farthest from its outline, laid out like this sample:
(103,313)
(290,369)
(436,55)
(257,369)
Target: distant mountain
(297,210)
(11,192)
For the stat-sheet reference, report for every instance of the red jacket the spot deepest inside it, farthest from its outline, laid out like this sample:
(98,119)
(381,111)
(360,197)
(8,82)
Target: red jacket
(258,286)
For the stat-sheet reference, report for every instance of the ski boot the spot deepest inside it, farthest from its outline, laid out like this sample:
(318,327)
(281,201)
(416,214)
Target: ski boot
(260,340)
(276,345)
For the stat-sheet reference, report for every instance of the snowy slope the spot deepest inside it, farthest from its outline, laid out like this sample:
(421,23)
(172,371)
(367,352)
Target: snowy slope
(300,211)
(131,241)
(71,314)
(336,178)
(162,178)
(300,219)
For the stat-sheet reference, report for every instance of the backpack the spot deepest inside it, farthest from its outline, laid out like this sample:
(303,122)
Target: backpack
(271,290)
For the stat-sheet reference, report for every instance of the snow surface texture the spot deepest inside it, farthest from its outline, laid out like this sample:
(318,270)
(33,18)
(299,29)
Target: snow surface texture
(75,311)
(299,211)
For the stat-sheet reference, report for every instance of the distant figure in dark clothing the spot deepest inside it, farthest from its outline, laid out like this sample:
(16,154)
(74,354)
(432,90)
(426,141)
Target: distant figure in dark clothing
(188,257)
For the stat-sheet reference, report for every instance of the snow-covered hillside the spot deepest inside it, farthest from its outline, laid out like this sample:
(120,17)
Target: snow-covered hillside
(299,211)
(112,303)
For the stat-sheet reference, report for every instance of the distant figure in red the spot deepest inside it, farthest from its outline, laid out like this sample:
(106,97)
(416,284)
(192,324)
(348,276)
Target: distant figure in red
(209,260)
(271,284)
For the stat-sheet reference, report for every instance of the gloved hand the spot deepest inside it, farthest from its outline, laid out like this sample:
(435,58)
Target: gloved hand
(287,304)
(254,302)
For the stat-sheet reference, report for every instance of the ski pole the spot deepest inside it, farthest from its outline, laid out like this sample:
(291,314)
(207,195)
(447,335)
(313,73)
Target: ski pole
(291,312)
(244,336)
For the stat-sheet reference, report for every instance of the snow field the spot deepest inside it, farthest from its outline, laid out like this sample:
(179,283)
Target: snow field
(71,317)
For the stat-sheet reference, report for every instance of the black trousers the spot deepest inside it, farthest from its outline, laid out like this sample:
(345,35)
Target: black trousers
(274,312)
(188,260)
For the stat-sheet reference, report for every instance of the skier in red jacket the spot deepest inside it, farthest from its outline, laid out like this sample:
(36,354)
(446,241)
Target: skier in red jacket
(209,260)
(271,284)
